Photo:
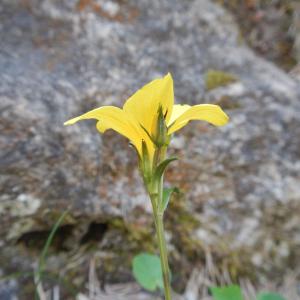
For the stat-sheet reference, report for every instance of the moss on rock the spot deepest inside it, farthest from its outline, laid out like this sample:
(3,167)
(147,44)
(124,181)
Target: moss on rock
(216,78)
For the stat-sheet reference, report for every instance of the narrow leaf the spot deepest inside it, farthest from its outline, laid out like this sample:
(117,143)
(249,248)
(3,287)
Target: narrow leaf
(167,192)
(41,264)
(160,169)
(230,292)
(49,241)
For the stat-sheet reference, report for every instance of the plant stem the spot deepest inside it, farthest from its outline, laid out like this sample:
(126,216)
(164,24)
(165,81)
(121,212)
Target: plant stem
(155,190)
(159,225)
(163,254)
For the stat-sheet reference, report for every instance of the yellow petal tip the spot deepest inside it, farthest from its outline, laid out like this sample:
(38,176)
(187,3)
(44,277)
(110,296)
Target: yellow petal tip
(168,76)
(225,118)
(68,123)
(71,121)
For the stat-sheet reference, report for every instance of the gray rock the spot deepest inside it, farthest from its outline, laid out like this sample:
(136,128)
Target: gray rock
(59,59)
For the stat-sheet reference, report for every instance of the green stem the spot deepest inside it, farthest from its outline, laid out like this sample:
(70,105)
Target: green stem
(163,254)
(155,190)
(156,199)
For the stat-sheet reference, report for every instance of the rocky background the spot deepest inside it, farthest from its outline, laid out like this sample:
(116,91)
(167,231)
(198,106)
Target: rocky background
(237,216)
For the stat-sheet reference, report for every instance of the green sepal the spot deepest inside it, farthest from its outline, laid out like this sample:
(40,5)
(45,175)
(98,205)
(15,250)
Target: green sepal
(161,130)
(159,134)
(167,192)
(148,134)
(160,169)
(145,162)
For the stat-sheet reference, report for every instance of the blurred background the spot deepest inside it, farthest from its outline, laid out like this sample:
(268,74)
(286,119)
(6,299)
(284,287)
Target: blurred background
(237,216)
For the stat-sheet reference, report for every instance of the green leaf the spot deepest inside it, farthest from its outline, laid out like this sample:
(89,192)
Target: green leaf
(147,271)
(43,256)
(167,192)
(49,241)
(269,296)
(160,169)
(230,292)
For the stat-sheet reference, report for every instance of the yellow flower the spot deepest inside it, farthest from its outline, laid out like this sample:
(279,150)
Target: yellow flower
(140,118)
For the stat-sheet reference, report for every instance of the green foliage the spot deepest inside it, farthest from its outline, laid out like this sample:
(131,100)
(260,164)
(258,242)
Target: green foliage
(147,271)
(41,264)
(39,274)
(215,78)
(49,241)
(269,296)
(160,169)
(230,292)
(233,292)
(167,192)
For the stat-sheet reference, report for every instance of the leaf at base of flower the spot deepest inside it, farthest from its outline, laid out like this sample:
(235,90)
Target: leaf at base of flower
(160,169)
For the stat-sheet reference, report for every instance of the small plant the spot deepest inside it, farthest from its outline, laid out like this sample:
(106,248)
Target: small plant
(231,292)
(234,292)
(148,119)
(40,272)
(269,296)
(152,279)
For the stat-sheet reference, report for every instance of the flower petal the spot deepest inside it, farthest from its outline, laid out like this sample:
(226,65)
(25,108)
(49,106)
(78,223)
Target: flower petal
(111,117)
(144,104)
(205,112)
(177,111)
